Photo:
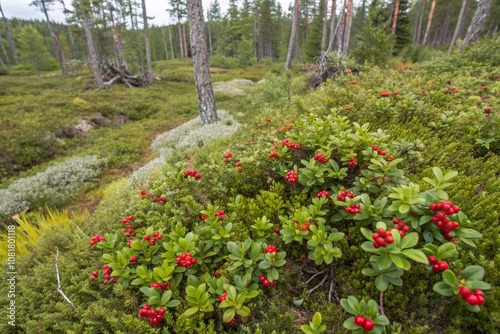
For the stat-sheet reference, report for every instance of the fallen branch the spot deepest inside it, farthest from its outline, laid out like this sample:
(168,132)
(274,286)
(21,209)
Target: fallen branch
(59,289)
(381,299)
(310,291)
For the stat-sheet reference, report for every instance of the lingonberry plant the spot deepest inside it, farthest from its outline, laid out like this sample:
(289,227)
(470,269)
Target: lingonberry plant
(351,184)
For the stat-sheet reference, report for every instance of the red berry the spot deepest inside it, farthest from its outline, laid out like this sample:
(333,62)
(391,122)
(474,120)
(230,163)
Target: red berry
(95,273)
(380,241)
(217,273)
(359,320)
(368,326)
(276,230)
(133,259)
(432,259)
(464,292)
(471,299)
(443,265)
(389,239)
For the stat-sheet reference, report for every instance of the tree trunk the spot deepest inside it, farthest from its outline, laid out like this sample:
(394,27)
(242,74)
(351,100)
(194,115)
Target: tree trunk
(333,31)
(363,14)
(165,44)
(186,53)
(9,38)
(61,59)
(348,22)
(135,27)
(325,26)
(7,59)
(71,39)
(293,34)
(341,28)
(480,15)
(171,43)
(149,66)
(199,52)
(429,22)
(209,32)
(179,30)
(419,30)
(395,19)
(91,50)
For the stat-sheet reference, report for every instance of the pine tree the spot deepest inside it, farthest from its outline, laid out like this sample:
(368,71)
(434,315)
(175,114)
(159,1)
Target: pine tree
(480,15)
(9,37)
(32,48)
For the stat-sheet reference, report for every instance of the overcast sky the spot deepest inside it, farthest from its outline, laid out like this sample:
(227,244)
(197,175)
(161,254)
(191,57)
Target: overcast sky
(156,8)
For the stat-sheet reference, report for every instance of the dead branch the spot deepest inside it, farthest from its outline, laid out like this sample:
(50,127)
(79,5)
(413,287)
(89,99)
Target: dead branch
(59,289)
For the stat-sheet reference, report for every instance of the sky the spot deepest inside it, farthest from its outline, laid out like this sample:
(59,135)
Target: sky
(156,8)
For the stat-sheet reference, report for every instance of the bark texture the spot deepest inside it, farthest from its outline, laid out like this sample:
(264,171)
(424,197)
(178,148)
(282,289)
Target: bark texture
(480,15)
(395,19)
(333,31)
(325,26)
(429,22)
(199,51)
(419,29)
(91,50)
(348,23)
(149,66)
(293,34)
(9,37)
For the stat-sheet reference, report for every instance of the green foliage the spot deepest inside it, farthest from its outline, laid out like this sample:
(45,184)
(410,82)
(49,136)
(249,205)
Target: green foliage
(374,46)
(32,49)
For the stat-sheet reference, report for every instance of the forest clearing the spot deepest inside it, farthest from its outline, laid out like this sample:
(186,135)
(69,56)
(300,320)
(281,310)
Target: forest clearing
(331,167)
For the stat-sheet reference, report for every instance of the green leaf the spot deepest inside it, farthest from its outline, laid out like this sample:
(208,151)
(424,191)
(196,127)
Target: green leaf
(166,297)
(473,273)
(468,233)
(141,271)
(447,250)
(383,262)
(347,307)
(443,289)
(450,175)
(478,285)
(349,324)
(370,272)
(173,303)
(229,314)
(404,208)
(264,264)
(381,283)
(416,255)
(191,311)
(367,233)
(381,320)
(450,278)
(438,173)
(409,240)
(233,248)
(306,329)
(316,319)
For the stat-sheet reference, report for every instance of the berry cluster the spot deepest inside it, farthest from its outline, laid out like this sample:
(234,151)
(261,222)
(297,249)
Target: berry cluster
(107,275)
(93,275)
(384,94)
(129,230)
(290,144)
(162,285)
(400,226)
(378,149)
(353,208)
(185,260)
(96,238)
(305,226)
(153,238)
(345,193)
(438,265)
(265,282)
(474,298)
(365,323)
(441,219)
(270,249)
(390,158)
(220,214)
(322,193)
(145,194)
(203,217)
(352,163)
(238,164)
(152,315)
(273,155)
(487,111)
(292,177)
(192,173)
(321,158)
(382,238)
(228,155)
